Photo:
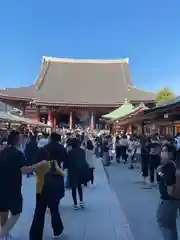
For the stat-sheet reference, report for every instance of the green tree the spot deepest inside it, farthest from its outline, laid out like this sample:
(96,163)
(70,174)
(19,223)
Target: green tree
(164,94)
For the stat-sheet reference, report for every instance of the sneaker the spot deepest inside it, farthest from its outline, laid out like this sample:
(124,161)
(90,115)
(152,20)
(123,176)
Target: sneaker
(9,237)
(81,204)
(75,207)
(131,167)
(48,211)
(147,185)
(153,185)
(58,236)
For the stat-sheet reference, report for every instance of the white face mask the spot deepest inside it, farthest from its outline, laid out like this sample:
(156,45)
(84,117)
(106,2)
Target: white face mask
(164,155)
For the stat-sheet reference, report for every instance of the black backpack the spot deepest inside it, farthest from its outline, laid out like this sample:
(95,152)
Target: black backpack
(54,183)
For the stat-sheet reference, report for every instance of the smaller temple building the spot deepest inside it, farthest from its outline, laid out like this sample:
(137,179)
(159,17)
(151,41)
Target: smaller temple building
(123,114)
(76,91)
(163,119)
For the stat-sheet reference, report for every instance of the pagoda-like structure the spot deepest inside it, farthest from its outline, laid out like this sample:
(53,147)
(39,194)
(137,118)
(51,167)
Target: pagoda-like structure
(76,89)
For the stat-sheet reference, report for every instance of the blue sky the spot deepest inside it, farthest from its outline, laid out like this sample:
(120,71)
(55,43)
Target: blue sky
(146,31)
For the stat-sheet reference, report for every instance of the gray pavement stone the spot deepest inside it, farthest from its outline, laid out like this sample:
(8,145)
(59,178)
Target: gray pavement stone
(138,204)
(102,217)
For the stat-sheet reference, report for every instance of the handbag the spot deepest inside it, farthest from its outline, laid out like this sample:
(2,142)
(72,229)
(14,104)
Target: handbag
(174,191)
(54,182)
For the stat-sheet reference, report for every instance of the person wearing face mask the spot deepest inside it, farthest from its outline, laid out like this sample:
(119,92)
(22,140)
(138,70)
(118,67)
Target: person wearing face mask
(170,195)
(154,158)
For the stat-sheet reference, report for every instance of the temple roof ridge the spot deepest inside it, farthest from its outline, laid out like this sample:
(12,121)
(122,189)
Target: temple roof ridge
(78,60)
(140,89)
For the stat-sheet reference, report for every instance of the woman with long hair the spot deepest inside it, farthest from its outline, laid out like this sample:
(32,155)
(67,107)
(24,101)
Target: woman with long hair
(78,170)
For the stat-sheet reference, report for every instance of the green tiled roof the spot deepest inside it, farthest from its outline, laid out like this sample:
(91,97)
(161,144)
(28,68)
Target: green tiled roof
(6,116)
(165,104)
(23,119)
(119,112)
(124,110)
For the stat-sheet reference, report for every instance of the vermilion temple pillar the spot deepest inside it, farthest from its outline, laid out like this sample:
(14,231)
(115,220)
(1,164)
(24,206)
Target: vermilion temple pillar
(129,129)
(49,117)
(54,120)
(70,120)
(92,121)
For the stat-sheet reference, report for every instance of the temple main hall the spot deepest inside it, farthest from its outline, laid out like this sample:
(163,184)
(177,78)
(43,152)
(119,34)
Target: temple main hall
(76,91)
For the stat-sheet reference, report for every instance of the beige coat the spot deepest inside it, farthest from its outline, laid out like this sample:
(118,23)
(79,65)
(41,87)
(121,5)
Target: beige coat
(90,158)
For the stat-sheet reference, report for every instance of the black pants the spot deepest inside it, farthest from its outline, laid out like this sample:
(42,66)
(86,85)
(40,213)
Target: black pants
(92,175)
(123,153)
(101,152)
(42,202)
(178,159)
(145,165)
(74,193)
(118,153)
(154,162)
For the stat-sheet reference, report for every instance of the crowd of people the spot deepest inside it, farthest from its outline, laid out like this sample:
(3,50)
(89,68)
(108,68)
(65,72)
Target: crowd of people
(159,159)
(45,156)
(71,155)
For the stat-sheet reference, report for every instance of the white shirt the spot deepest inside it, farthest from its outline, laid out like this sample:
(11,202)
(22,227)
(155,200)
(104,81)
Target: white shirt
(124,142)
(43,142)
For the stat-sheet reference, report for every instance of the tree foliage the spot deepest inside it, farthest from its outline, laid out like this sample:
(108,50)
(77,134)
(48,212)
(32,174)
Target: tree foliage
(164,94)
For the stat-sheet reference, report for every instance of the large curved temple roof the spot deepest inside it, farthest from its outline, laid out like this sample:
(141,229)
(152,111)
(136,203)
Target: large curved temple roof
(81,82)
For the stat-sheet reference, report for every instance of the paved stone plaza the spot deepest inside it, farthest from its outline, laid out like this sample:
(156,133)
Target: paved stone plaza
(102,218)
(138,204)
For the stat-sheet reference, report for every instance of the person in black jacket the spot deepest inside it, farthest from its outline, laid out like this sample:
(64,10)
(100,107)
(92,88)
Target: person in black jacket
(31,150)
(56,150)
(105,147)
(78,171)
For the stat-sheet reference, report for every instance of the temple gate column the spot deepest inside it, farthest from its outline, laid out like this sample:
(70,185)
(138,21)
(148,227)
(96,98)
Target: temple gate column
(37,117)
(23,109)
(92,121)
(142,127)
(49,117)
(54,119)
(70,120)
(129,129)
(139,129)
